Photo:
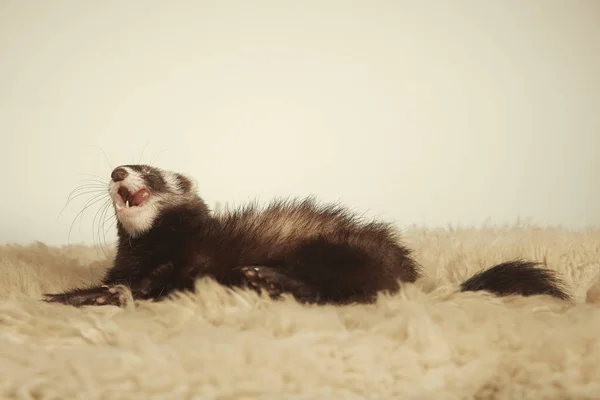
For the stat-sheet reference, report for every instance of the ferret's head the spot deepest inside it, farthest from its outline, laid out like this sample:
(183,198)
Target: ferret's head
(140,193)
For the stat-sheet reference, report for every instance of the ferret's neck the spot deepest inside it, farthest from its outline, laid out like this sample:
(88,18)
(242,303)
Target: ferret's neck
(177,220)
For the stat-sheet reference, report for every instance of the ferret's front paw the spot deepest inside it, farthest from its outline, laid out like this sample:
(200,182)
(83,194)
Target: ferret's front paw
(115,296)
(97,296)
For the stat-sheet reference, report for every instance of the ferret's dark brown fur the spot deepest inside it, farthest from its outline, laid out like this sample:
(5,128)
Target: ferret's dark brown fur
(318,253)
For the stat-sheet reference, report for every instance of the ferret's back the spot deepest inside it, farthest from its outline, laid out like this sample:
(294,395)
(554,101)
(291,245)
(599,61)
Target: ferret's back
(295,219)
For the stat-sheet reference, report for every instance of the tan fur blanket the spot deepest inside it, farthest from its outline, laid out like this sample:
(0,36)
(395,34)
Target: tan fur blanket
(429,342)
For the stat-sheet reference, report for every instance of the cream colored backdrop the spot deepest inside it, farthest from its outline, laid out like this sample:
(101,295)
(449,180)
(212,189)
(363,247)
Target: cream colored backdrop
(427,112)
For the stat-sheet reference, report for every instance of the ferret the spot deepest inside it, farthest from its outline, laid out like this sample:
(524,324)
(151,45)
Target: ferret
(317,253)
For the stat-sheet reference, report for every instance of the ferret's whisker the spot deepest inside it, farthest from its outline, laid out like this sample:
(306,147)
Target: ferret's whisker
(95,182)
(88,204)
(105,156)
(101,227)
(84,191)
(101,221)
(96,219)
(97,178)
(95,192)
(157,156)
(143,150)
(86,187)
(114,221)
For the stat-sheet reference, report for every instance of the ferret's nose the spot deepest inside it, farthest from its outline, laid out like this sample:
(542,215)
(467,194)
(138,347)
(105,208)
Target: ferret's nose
(118,174)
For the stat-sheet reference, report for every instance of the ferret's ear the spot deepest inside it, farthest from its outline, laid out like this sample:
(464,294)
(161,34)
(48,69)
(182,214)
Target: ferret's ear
(194,187)
(190,185)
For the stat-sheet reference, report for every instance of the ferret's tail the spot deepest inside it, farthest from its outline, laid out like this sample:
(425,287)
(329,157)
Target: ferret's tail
(516,278)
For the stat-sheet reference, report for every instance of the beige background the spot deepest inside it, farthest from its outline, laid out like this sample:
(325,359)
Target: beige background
(427,112)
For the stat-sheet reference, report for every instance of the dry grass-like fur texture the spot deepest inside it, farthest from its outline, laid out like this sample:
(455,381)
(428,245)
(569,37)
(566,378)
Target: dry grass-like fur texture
(429,342)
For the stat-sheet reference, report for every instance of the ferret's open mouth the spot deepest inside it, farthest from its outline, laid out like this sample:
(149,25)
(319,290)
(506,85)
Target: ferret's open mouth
(136,199)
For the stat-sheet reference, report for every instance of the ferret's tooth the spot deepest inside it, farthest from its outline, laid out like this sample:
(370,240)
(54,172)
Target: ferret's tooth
(127,204)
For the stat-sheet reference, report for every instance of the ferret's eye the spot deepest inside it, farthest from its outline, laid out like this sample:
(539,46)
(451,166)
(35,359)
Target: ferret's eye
(155,182)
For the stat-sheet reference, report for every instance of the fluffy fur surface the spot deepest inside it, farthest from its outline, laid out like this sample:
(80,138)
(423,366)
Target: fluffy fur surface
(430,341)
